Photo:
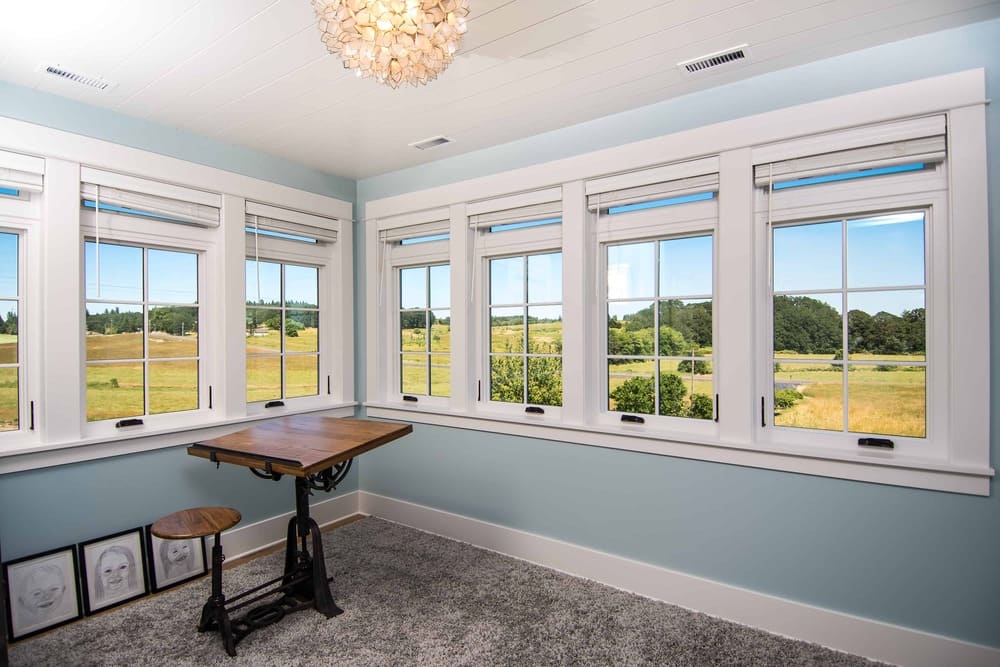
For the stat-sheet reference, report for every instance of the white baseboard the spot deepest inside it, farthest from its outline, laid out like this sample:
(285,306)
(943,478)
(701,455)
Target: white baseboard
(245,540)
(844,632)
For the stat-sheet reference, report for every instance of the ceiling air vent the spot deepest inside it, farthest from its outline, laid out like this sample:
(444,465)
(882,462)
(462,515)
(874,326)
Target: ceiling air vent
(430,142)
(714,61)
(83,79)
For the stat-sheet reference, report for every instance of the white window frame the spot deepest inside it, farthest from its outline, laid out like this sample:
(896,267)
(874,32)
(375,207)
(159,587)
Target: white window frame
(959,462)
(686,220)
(26,231)
(152,234)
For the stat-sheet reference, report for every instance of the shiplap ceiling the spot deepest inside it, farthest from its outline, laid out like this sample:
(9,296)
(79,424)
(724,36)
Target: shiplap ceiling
(254,72)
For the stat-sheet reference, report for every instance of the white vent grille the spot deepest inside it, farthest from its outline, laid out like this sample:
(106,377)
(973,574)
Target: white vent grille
(83,79)
(430,142)
(713,61)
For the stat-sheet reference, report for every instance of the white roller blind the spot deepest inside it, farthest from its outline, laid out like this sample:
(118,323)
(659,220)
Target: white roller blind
(522,207)
(661,182)
(414,225)
(920,140)
(21,172)
(179,203)
(288,221)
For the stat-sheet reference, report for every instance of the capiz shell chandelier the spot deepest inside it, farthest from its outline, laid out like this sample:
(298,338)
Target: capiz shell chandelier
(394,41)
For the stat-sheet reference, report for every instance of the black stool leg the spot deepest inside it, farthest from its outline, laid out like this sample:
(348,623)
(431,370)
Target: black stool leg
(214,615)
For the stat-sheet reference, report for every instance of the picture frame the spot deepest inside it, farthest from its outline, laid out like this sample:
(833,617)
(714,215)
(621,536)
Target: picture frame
(113,570)
(42,592)
(172,562)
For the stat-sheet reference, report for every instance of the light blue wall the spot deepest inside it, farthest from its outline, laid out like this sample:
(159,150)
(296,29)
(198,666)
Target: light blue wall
(921,559)
(51,507)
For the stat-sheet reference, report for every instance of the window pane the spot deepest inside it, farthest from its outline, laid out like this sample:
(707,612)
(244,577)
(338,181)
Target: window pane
(114,331)
(630,385)
(507,379)
(263,283)
(809,395)
(686,267)
(507,280)
(301,331)
(414,374)
(120,272)
(632,271)
(807,257)
(507,330)
(545,329)
(263,378)
(301,286)
(686,388)
(173,386)
(440,286)
(173,276)
(173,331)
(301,375)
(413,288)
(8,265)
(8,399)
(545,380)
(886,325)
(685,327)
(114,391)
(8,332)
(886,251)
(413,331)
(630,328)
(808,325)
(887,400)
(441,331)
(263,330)
(545,278)
(440,375)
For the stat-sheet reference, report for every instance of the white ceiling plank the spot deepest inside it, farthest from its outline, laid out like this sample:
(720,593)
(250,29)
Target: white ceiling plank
(275,24)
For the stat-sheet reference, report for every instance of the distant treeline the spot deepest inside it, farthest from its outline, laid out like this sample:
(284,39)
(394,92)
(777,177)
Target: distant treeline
(809,326)
(685,328)
(175,320)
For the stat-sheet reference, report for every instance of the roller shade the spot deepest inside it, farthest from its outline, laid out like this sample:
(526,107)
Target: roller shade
(414,225)
(24,173)
(522,207)
(174,203)
(663,182)
(286,221)
(920,140)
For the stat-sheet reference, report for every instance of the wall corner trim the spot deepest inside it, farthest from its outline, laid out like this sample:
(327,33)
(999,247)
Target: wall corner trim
(844,632)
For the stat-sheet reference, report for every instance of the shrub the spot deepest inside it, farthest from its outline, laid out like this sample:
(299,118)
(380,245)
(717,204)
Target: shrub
(700,367)
(786,398)
(701,406)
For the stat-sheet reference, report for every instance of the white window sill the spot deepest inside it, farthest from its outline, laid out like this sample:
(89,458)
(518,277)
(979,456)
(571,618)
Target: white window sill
(877,467)
(18,457)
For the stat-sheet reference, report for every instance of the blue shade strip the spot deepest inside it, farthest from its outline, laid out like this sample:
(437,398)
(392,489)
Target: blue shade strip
(850,175)
(280,235)
(659,203)
(525,225)
(10,192)
(425,239)
(89,203)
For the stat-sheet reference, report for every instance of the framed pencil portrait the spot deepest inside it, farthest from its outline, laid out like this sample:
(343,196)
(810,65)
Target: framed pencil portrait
(172,562)
(42,592)
(113,570)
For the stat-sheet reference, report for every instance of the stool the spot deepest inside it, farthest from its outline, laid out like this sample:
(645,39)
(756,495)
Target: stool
(200,522)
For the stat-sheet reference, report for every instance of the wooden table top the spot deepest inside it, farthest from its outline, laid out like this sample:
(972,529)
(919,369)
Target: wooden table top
(299,445)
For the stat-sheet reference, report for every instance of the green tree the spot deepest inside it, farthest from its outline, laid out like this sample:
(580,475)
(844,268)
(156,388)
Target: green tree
(700,367)
(806,325)
(672,393)
(545,380)
(506,379)
(701,407)
(634,395)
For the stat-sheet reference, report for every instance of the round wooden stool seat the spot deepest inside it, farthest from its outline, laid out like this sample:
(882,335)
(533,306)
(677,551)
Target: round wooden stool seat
(195,522)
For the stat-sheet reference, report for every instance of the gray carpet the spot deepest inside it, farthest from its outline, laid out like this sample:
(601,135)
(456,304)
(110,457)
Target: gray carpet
(411,598)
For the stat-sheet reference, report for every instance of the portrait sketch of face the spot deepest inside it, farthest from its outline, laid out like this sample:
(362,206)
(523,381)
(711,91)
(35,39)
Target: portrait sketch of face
(113,569)
(174,561)
(42,592)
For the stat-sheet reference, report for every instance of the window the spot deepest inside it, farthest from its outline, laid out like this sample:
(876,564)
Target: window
(525,316)
(425,330)
(282,337)
(10,385)
(849,325)
(142,321)
(659,327)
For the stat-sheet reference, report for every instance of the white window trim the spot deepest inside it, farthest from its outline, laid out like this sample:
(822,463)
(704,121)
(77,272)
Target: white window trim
(53,294)
(966,468)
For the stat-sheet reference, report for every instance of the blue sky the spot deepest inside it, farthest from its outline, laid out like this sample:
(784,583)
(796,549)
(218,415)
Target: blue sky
(173,276)
(414,288)
(882,251)
(685,269)
(301,283)
(8,265)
